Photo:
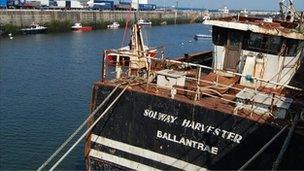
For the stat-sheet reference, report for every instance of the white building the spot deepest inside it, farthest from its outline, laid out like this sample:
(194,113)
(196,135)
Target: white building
(69,4)
(42,2)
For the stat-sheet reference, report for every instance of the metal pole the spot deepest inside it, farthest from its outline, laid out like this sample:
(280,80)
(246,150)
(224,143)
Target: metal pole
(276,164)
(102,76)
(198,94)
(262,149)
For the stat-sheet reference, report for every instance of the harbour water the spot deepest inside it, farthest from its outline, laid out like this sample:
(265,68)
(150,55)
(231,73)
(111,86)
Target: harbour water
(46,82)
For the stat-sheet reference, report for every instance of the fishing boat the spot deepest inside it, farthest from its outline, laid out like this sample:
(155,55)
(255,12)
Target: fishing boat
(202,36)
(34,29)
(244,111)
(123,55)
(79,28)
(144,22)
(114,25)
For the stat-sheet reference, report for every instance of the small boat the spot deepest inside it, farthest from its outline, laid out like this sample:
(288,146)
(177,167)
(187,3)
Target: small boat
(114,25)
(163,23)
(202,36)
(206,16)
(34,29)
(10,35)
(79,27)
(144,22)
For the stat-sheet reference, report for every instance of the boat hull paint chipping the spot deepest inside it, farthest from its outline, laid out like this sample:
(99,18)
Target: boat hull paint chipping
(164,134)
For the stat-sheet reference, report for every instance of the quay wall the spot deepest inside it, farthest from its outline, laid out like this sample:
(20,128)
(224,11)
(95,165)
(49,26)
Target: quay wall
(26,17)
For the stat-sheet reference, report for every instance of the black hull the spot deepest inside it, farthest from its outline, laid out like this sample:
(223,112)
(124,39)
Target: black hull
(132,135)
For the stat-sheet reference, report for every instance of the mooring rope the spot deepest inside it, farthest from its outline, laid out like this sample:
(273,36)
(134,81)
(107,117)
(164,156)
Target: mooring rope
(77,130)
(263,148)
(88,130)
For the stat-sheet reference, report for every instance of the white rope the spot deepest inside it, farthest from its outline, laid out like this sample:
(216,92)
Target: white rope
(88,130)
(77,130)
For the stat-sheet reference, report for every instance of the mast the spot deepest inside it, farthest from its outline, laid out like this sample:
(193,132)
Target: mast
(282,13)
(288,12)
(137,11)
(136,44)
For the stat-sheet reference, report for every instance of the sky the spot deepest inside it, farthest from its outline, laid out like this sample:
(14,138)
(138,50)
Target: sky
(231,4)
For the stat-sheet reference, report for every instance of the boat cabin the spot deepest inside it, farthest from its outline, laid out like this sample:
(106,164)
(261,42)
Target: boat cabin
(256,48)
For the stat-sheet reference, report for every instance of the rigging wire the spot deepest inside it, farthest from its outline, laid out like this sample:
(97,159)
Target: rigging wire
(77,130)
(89,129)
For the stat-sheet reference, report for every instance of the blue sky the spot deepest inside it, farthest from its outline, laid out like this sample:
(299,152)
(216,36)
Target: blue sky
(231,4)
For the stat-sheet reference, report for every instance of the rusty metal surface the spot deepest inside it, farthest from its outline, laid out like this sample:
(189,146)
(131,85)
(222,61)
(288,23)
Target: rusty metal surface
(257,25)
(187,96)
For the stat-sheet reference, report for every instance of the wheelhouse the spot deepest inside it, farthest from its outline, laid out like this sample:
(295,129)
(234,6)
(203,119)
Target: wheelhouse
(263,49)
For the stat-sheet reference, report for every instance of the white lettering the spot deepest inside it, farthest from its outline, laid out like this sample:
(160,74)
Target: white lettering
(146,112)
(159,134)
(234,137)
(224,134)
(214,150)
(159,116)
(217,131)
(186,123)
(182,141)
(237,138)
(200,146)
(198,126)
(210,129)
(231,136)
(173,119)
(186,142)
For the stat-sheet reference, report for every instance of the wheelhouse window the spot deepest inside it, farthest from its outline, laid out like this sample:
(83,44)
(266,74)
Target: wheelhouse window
(264,43)
(256,42)
(274,45)
(291,47)
(235,38)
(219,36)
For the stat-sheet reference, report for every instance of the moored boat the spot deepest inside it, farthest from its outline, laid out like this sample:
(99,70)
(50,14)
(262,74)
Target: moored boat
(245,111)
(114,25)
(144,22)
(163,23)
(34,29)
(123,55)
(80,28)
(202,36)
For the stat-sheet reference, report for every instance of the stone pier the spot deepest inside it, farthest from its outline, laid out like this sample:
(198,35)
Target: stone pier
(26,17)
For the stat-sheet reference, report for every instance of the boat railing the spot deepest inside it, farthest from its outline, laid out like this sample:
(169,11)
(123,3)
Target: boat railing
(200,68)
(198,86)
